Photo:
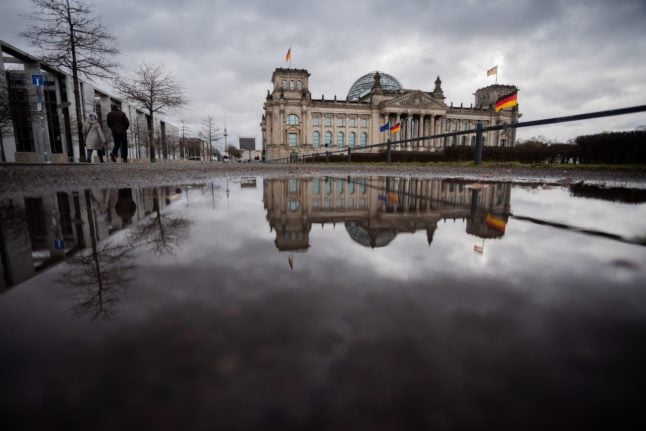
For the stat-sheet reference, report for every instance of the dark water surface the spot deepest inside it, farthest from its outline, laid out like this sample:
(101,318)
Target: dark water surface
(324,303)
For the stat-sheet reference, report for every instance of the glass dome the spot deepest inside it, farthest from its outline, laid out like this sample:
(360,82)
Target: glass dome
(367,237)
(363,85)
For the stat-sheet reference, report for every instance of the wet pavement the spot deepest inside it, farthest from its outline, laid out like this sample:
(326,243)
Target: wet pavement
(324,302)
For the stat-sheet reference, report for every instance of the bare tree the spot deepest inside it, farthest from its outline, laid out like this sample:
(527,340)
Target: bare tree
(211,134)
(234,152)
(72,38)
(154,90)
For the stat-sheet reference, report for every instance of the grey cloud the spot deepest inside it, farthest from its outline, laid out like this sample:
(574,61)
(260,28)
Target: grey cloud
(563,55)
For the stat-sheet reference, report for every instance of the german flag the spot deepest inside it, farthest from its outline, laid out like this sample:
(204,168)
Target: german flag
(395,128)
(507,101)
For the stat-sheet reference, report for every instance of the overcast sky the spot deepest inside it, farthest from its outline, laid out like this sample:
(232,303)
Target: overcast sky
(566,57)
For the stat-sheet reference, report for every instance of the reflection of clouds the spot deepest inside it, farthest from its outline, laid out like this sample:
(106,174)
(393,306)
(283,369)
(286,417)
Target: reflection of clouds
(418,355)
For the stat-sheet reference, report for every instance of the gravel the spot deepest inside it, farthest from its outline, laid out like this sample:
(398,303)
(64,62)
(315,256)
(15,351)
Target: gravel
(25,179)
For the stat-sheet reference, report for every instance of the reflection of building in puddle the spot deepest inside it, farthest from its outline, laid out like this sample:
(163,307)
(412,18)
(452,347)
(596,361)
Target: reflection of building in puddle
(375,210)
(248,182)
(38,231)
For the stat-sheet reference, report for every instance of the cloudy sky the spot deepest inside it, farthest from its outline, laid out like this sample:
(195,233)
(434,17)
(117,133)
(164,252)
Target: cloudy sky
(567,57)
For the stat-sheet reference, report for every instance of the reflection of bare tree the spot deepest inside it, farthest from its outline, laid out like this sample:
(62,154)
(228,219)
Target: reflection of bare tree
(162,233)
(98,278)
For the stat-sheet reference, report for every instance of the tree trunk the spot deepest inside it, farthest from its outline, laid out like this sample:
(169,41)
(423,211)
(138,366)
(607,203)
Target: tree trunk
(77,92)
(151,135)
(79,115)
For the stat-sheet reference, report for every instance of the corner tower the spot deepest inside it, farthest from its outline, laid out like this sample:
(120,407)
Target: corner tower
(290,83)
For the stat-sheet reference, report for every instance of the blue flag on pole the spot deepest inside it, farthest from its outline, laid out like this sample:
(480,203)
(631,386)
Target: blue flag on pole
(385,127)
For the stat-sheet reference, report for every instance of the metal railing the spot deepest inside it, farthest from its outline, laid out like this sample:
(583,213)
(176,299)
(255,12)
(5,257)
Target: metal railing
(479,131)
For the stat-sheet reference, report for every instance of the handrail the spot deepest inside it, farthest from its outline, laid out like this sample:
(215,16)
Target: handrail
(478,131)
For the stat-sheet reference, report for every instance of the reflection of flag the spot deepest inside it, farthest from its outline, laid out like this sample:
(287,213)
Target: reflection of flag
(288,56)
(392,198)
(495,223)
(384,128)
(395,128)
(507,101)
(493,71)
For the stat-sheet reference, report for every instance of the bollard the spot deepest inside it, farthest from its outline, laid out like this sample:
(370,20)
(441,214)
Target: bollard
(478,150)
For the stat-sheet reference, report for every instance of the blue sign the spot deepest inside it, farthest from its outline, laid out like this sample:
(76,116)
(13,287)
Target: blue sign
(59,244)
(37,80)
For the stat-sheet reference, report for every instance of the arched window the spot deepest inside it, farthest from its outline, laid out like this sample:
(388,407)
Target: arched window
(292,119)
(340,140)
(316,139)
(299,85)
(285,83)
(328,139)
(352,139)
(464,140)
(364,139)
(292,85)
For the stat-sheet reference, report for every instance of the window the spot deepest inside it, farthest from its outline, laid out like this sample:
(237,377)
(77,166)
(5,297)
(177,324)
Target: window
(463,140)
(285,83)
(328,139)
(316,121)
(316,186)
(364,122)
(292,119)
(351,188)
(292,185)
(364,139)
(316,139)
(328,187)
(292,85)
(453,139)
(292,139)
(353,122)
(352,139)
(293,206)
(340,140)
(327,121)
(299,85)
(340,121)
(503,142)
(339,186)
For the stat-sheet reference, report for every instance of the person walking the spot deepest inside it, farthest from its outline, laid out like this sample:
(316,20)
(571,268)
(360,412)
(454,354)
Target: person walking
(94,137)
(118,123)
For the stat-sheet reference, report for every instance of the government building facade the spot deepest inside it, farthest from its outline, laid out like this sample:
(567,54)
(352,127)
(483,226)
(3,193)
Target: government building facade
(295,124)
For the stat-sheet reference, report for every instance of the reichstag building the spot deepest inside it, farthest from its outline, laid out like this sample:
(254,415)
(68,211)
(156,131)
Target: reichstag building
(294,123)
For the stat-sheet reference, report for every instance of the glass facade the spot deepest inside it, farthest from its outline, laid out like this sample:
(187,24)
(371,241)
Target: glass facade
(363,85)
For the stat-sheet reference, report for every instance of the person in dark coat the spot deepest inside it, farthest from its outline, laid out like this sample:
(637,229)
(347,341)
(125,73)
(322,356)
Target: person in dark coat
(118,123)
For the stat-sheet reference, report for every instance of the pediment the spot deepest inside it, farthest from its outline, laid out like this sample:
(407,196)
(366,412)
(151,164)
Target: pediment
(414,99)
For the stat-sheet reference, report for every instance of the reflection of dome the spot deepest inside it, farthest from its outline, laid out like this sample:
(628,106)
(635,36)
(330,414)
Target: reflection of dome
(363,85)
(367,237)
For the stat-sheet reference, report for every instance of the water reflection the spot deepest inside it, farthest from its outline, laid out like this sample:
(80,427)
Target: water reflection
(375,210)
(388,322)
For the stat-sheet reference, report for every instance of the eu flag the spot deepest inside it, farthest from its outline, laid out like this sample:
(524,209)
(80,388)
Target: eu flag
(384,128)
